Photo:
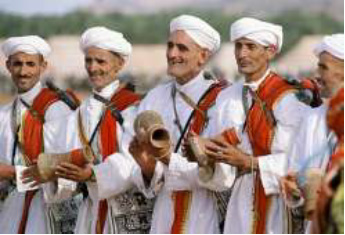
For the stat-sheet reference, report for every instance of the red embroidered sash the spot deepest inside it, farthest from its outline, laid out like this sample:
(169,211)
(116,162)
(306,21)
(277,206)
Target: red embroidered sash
(335,122)
(182,199)
(32,145)
(108,139)
(260,126)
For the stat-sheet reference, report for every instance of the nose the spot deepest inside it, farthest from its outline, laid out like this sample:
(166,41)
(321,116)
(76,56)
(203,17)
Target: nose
(172,52)
(24,70)
(242,53)
(91,66)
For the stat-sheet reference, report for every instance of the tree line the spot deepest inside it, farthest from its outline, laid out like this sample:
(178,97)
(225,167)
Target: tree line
(153,28)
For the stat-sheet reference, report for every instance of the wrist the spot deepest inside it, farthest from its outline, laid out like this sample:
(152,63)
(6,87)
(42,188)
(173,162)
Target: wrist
(91,175)
(250,163)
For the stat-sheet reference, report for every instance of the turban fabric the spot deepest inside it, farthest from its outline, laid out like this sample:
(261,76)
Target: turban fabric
(27,44)
(201,32)
(106,39)
(261,32)
(333,44)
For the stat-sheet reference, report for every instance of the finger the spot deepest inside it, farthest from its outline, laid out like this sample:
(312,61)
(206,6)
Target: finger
(70,166)
(27,172)
(27,180)
(215,148)
(222,143)
(63,171)
(66,175)
(213,155)
(34,184)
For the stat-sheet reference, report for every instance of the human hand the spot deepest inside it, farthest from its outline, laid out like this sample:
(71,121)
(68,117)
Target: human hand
(72,172)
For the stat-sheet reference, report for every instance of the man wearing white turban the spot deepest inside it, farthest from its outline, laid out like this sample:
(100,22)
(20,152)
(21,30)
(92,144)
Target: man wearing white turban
(23,137)
(182,205)
(103,123)
(315,143)
(263,113)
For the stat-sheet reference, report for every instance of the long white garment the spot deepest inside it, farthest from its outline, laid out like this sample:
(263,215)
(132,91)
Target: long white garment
(288,114)
(180,174)
(314,142)
(113,176)
(313,146)
(10,215)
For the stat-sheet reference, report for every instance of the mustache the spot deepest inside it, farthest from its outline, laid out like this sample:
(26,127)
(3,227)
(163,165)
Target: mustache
(24,76)
(96,73)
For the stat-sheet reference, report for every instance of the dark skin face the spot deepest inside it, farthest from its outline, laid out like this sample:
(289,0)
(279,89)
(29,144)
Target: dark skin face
(102,67)
(252,58)
(331,73)
(25,70)
(185,58)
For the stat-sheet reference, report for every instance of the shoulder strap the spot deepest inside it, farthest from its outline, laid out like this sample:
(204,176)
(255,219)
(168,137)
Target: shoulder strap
(42,102)
(68,97)
(198,118)
(121,100)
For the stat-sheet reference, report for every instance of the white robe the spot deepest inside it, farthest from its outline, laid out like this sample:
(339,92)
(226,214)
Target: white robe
(180,174)
(313,146)
(314,142)
(288,114)
(38,219)
(113,176)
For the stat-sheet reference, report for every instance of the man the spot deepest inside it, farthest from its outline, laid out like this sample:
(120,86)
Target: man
(111,204)
(23,137)
(315,142)
(263,113)
(312,147)
(185,105)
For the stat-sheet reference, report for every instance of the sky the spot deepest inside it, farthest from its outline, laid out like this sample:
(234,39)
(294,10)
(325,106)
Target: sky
(31,7)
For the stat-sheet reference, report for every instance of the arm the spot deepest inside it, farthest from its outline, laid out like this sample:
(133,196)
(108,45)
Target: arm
(7,172)
(272,167)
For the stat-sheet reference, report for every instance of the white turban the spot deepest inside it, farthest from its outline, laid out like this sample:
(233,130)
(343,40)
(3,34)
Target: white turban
(333,44)
(106,39)
(27,44)
(261,32)
(200,31)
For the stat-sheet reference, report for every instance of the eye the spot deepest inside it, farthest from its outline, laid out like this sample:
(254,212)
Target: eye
(182,47)
(170,45)
(31,64)
(100,61)
(252,47)
(238,46)
(17,63)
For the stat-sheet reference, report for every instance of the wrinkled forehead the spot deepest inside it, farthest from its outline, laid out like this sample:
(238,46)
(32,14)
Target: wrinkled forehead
(100,53)
(181,37)
(246,41)
(327,57)
(22,56)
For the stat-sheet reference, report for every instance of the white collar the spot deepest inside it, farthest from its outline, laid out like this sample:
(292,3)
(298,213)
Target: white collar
(31,94)
(255,85)
(195,87)
(108,91)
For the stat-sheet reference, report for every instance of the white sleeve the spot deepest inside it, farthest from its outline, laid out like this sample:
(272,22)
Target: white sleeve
(152,188)
(57,110)
(288,114)
(58,190)
(56,130)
